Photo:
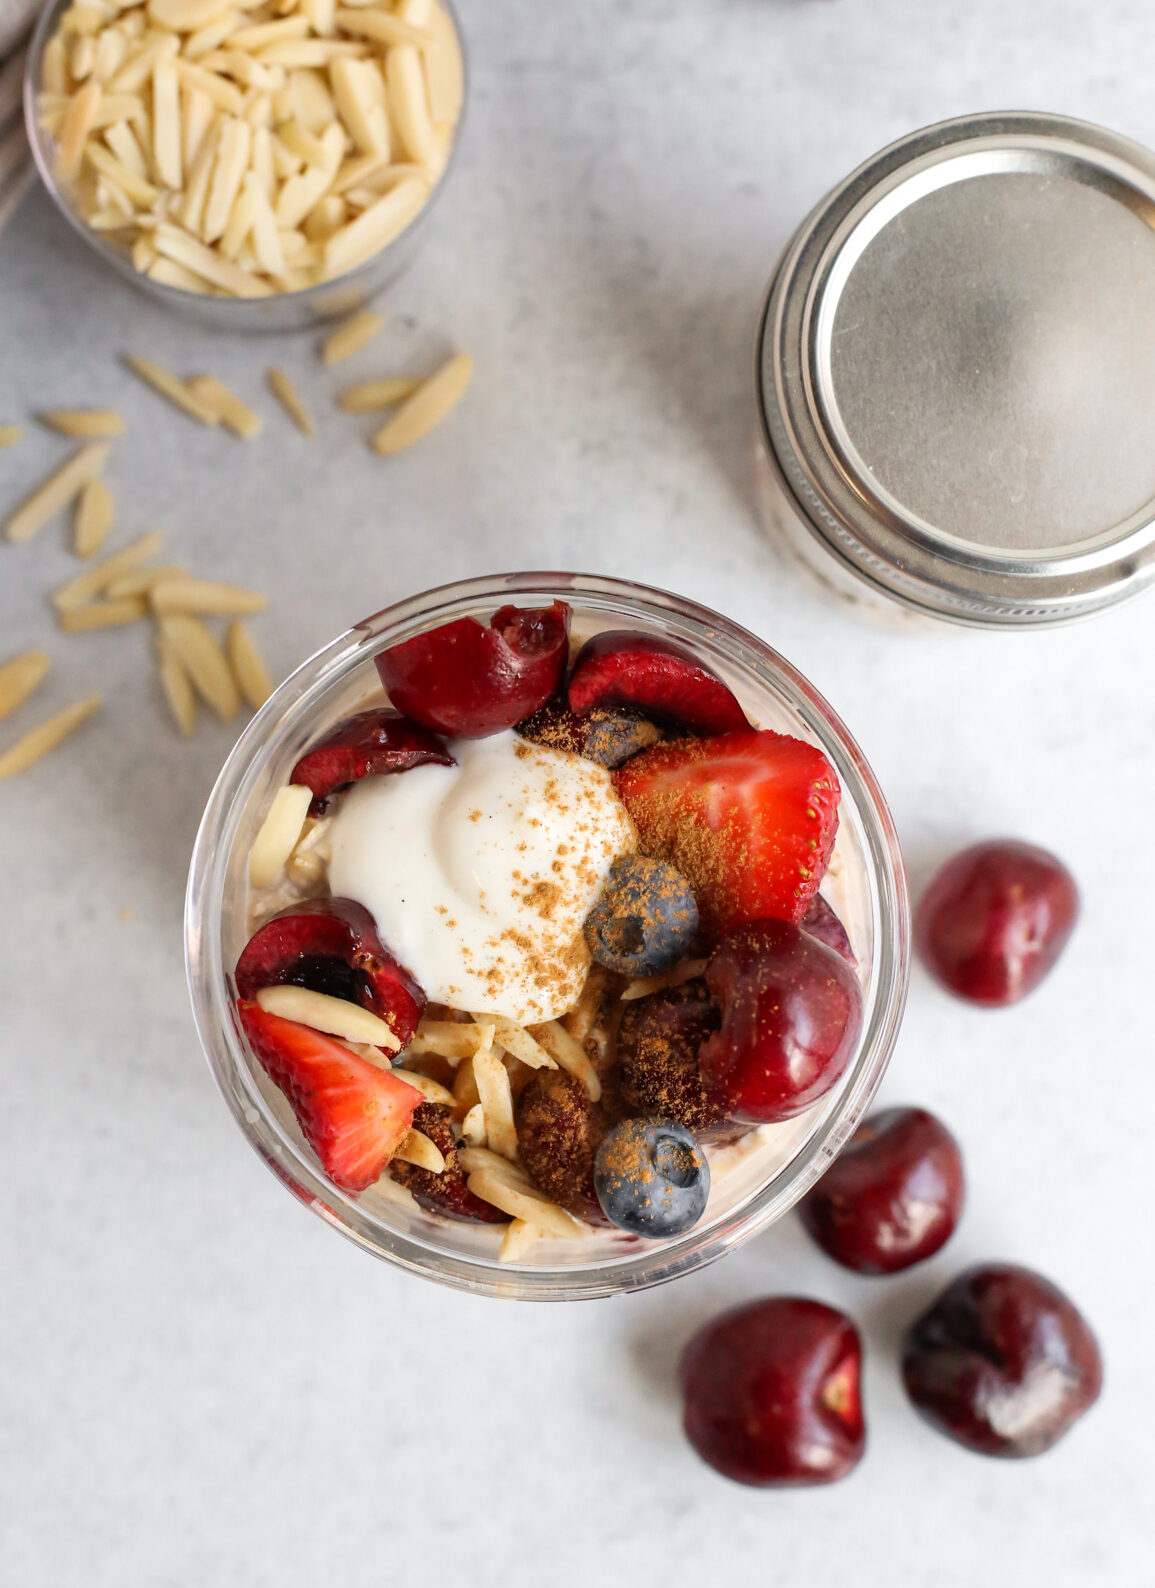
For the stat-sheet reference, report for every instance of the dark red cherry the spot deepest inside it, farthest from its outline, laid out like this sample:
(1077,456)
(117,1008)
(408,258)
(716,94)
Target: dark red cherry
(822,922)
(446,1193)
(995,919)
(370,743)
(658,677)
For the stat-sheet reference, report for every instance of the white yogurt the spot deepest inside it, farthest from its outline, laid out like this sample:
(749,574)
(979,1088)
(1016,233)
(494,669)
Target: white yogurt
(480,875)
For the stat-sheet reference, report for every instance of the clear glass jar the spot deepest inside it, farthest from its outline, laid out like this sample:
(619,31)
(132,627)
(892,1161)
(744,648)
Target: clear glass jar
(284,311)
(751,1188)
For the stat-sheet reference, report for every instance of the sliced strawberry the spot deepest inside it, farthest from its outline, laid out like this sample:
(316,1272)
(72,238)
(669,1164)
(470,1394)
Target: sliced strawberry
(750,818)
(332,946)
(372,742)
(470,680)
(658,677)
(352,1114)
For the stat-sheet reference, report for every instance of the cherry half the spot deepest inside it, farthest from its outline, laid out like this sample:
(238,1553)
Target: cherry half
(469,680)
(1003,1362)
(771,1393)
(368,744)
(661,679)
(995,919)
(892,1197)
(332,946)
(791,1016)
(446,1193)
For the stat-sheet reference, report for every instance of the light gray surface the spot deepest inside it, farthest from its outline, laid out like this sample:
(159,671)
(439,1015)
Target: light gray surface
(200,1383)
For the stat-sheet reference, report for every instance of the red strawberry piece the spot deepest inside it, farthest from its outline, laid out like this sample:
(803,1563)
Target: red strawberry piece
(470,680)
(791,1016)
(822,922)
(370,743)
(559,1131)
(771,1393)
(749,818)
(353,1114)
(332,946)
(658,677)
(446,1193)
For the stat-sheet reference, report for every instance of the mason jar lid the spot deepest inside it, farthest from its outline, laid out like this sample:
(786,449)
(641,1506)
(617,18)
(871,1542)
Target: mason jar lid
(956,370)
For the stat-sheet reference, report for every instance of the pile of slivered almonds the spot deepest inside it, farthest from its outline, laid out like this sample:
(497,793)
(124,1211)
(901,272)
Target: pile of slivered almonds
(250,147)
(129,586)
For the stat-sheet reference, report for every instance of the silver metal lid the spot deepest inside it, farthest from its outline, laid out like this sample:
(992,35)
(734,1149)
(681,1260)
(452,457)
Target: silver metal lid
(956,370)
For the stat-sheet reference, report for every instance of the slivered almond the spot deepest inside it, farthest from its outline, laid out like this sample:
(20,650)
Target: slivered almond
(103,615)
(41,740)
(232,161)
(171,274)
(95,511)
(74,130)
(205,40)
(10,435)
(337,1017)
(522,1204)
(168,385)
(645,985)
(184,16)
(496,1101)
(484,1160)
(449,1039)
(278,836)
(375,229)
(356,85)
(517,1040)
(208,597)
(262,33)
(432,1091)
(166,148)
(57,491)
(194,255)
(228,407)
(83,423)
(190,211)
(444,75)
(427,407)
(19,678)
(473,1126)
(177,686)
(570,1055)
(327,216)
(137,70)
(225,95)
(373,395)
(465,1093)
(409,106)
(285,392)
(380,26)
(54,66)
(418,1149)
(138,190)
(204,662)
(309,52)
(95,581)
(351,336)
(517,1240)
(141,580)
(248,666)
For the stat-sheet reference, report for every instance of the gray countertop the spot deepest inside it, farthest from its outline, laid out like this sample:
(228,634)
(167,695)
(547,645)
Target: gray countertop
(199,1383)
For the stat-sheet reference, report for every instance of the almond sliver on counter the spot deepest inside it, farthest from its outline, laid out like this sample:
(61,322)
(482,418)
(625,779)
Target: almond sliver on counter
(352,336)
(248,666)
(372,395)
(94,515)
(205,596)
(278,834)
(94,581)
(85,424)
(428,406)
(204,661)
(57,491)
(227,406)
(177,686)
(45,738)
(20,678)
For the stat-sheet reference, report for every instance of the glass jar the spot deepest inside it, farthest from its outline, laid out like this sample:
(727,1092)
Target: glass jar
(751,1188)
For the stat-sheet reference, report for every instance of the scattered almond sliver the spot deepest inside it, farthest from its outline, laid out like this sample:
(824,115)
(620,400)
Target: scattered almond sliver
(139,581)
(570,1055)
(176,391)
(418,1149)
(278,836)
(204,596)
(95,581)
(517,1240)
(103,614)
(177,686)
(427,407)
(285,392)
(352,336)
(57,491)
(9,435)
(337,1017)
(248,665)
(20,678)
(204,661)
(85,424)
(230,411)
(94,516)
(373,395)
(41,740)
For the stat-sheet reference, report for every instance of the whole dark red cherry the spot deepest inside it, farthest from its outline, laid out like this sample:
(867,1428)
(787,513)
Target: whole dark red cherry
(1002,1362)
(892,1197)
(791,1015)
(771,1393)
(995,919)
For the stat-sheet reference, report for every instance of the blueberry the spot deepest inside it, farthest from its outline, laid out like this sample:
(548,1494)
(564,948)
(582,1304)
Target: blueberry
(645,920)
(612,737)
(651,1177)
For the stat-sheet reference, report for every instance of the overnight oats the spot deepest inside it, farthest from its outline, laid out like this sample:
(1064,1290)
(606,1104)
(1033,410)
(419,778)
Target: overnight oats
(548,935)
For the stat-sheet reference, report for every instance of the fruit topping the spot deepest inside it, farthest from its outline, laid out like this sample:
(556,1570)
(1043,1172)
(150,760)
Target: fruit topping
(651,1178)
(371,743)
(445,1193)
(749,818)
(821,922)
(1002,1361)
(645,920)
(353,1114)
(995,919)
(658,1042)
(605,736)
(892,1197)
(470,680)
(771,1393)
(558,1133)
(791,1016)
(659,678)
(332,947)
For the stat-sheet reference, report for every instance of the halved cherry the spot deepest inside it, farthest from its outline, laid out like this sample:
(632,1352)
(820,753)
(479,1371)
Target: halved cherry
(332,946)
(824,924)
(372,742)
(470,680)
(624,667)
(446,1193)
(353,1114)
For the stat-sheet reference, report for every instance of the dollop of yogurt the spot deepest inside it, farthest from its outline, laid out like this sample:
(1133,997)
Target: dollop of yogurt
(480,875)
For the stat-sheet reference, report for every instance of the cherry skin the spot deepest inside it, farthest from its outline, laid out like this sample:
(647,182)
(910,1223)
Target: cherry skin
(1003,1362)
(995,919)
(791,1015)
(892,1197)
(771,1393)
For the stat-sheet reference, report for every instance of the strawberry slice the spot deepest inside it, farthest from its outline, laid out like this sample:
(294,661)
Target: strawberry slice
(749,817)
(353,1115)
